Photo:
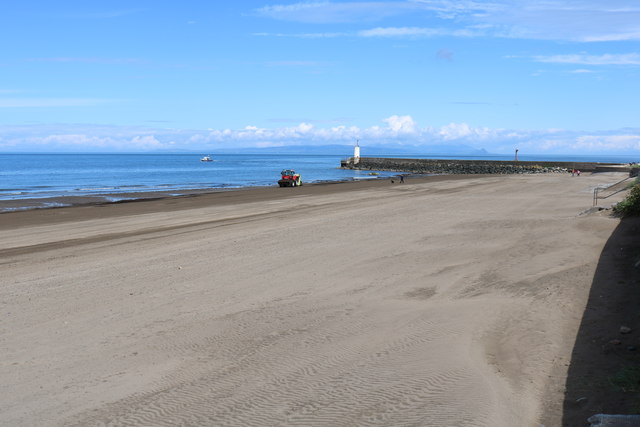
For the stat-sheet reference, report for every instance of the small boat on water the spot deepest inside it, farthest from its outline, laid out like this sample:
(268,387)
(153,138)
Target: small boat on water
(206,159)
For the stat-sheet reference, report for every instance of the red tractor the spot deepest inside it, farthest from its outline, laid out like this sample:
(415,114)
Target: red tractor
(289,178)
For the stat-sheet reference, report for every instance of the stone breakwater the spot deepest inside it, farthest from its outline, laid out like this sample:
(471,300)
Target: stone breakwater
(441,166)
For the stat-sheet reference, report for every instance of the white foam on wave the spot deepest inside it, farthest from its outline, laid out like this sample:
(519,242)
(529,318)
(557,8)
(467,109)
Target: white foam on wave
(41,206)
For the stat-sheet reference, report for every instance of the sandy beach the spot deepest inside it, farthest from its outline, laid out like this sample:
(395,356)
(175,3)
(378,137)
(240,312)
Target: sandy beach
(443,301)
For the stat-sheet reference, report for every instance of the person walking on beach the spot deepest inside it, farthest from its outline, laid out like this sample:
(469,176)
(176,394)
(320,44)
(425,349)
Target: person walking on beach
(401,179)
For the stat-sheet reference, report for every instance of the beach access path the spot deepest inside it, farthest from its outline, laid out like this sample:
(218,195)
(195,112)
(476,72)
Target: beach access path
(440,301)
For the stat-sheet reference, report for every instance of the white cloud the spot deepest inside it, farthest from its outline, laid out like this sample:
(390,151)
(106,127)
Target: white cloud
(401,124)
(82,141)
(607,142)
(581,71)
(396,129)
(455,131)
(416,32)
(575,20)
(399,32)
(605,59)
(404,130)
(386,32)
(332,12)
(338,12)
(81,138)
(305,127)
(72,139)
(146,142)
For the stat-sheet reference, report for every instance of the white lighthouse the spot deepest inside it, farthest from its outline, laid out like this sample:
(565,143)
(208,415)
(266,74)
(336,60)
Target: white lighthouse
(356,154)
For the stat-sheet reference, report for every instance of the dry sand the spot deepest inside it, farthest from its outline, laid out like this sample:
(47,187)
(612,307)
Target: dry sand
(439,302)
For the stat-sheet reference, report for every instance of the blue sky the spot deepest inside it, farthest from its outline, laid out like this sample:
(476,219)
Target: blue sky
(544,76)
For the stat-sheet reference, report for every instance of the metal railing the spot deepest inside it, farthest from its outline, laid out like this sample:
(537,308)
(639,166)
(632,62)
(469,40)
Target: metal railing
(599,189)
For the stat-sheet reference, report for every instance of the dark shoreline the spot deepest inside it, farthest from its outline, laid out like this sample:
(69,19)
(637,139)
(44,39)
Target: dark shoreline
(86,208)
(21,205)
(56,202)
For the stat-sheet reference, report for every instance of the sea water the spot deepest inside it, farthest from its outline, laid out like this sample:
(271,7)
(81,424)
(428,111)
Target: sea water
(33,176)
(29,176)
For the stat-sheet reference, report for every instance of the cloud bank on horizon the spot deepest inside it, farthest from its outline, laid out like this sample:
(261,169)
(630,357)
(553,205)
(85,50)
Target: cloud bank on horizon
(553,76)
(396,132)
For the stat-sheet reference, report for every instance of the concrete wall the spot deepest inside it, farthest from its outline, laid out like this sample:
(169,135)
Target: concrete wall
(474,166)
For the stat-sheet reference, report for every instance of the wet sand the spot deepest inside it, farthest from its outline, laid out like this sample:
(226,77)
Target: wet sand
(441,301)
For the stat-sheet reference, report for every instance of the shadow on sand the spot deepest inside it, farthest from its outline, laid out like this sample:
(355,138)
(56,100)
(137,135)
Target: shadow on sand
(604,372)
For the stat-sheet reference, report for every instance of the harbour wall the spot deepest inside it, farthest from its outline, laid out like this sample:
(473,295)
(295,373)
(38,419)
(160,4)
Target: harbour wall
(442,166)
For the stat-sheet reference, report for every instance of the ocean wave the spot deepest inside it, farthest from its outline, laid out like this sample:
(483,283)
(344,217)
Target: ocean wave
(12,192)
(41,206)
(112,199)
(96,189)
